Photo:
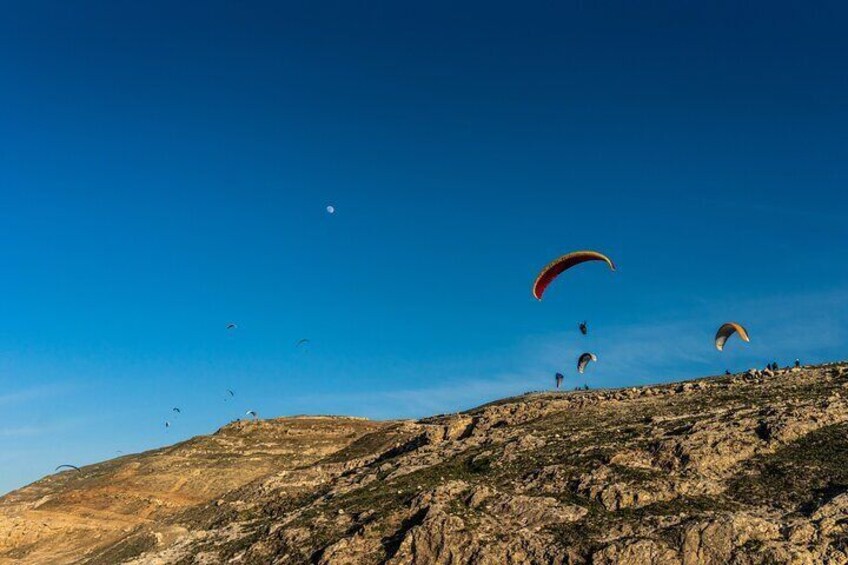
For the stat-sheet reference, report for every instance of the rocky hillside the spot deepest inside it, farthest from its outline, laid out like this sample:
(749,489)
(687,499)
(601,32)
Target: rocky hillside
(749,468)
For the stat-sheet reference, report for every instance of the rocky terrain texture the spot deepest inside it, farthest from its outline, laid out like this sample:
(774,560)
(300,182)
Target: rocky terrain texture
(748,469)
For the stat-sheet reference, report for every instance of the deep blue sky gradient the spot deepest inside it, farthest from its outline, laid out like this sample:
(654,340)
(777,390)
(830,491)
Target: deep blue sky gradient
(164,170)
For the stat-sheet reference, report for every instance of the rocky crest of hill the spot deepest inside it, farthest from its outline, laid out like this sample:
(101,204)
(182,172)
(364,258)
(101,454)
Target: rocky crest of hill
(748,469)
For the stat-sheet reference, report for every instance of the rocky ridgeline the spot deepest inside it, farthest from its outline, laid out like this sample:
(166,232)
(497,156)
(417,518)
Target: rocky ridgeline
(748,468)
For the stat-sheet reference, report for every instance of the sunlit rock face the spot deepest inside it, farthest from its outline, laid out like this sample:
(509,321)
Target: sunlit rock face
(749,468)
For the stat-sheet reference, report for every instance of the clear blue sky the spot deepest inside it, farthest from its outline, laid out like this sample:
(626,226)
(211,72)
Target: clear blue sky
(165,169)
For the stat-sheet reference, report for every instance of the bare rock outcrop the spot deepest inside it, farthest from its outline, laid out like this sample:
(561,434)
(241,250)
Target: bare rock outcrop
(741,469)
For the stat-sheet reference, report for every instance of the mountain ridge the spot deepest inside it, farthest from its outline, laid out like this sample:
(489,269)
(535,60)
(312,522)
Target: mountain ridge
(744,468)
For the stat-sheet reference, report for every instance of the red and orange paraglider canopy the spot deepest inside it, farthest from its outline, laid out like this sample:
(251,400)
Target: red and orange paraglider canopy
(555,268)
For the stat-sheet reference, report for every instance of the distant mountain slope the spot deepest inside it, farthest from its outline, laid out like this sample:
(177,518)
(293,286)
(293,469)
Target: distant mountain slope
(69,516)
(744,469)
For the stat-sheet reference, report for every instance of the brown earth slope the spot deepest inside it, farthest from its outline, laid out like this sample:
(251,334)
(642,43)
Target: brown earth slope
(741,469)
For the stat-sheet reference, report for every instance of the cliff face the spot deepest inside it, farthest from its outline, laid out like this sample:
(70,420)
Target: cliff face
(742,469)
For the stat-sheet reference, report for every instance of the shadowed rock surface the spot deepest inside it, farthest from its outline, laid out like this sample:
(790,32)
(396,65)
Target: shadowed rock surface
(747,469)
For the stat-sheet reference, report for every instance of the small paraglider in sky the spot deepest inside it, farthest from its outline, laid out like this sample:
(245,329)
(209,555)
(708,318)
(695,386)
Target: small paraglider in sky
(177,410)
(727,330)
(252,414)
(559,377)
(167,425)
(231,326)
(331,209)
(230,393)
(301,342)
(558,266)
(584,360)
(74,467)
(584,327)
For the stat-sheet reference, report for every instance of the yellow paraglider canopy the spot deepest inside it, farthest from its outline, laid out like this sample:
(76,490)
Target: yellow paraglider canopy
(727,330)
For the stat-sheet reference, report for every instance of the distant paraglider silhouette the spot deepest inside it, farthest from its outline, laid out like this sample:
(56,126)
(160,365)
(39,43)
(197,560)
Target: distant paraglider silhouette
(252,414)
(66,466)
(584,327)
(584,360)
(559,377)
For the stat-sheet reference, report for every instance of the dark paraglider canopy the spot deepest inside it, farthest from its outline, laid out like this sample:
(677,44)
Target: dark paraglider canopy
(177,410)
(558,266)
(584,327)
(301,342)
(559,378)
(66,466)
(727,330)
(252,414)
(584,360)
(231,326)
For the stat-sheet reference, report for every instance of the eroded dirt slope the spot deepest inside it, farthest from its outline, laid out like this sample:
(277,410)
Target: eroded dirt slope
(68,517)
